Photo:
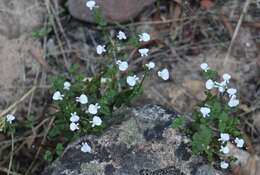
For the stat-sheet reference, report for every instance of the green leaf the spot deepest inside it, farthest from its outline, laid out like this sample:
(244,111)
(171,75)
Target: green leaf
(99,18)
(41,33)
(57,84)
(74,69)
(178,122)
(56,130)
(59,149)
(210,74)
(134,41)
(223,122)
(48,156)
(201,139)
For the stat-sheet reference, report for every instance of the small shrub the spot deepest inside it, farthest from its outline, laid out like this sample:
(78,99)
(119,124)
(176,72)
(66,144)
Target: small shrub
(215,123)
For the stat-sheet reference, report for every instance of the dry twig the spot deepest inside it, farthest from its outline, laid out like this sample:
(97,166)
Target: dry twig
(236,32)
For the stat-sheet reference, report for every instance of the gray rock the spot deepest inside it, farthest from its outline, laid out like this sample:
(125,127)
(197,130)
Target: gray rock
(143,144)
(113,10)
(206,170)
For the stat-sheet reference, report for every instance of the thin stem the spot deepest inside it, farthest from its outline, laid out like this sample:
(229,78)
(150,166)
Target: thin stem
(11,156)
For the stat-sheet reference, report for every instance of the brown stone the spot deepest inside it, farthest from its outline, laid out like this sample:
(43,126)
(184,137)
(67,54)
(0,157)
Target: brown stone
(113,10)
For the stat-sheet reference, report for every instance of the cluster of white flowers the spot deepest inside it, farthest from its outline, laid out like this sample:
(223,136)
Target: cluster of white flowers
(222,86)
(233,102)
(224,138)
(74,118)
(132,80)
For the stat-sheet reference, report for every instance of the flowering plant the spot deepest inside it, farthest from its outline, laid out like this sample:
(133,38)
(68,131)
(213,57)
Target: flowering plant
(214,124)
(86,105)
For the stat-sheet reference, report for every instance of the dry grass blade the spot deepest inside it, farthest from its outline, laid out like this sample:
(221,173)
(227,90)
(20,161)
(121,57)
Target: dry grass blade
(236,32)
(18,101)
(11,172)
(39,150)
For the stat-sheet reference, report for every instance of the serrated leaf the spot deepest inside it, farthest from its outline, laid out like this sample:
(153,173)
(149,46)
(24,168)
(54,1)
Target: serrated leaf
(201,139)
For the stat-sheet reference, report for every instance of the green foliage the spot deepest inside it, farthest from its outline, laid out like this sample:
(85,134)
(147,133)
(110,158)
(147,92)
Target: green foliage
(210,74)
(41,33)
(48,156)
(201,139)
(108,88)
(29,123)
(178,122)
(98,17)
(205,130)
(59,149)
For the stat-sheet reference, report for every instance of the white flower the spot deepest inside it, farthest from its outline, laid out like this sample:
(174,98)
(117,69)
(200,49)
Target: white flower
(150,65)
(205,111)
(224,150)
(239,142)
(85,148)
(10,118)
(131,80)
(204,66)
(101,49)
(209,84)
(143,52)
(96,121)
(233,102)
(224,165)
(224,137)
(122,65)
(164,74)
(231,92)
(221,86)
(83,99)
(121,35)
(226,77)
(57,96)
(144,37)
(74,117)
(93,109)
(66,85)
(74,126)
(91,4)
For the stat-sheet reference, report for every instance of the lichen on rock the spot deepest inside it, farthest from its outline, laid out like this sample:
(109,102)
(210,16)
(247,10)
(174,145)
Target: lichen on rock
(143,144)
